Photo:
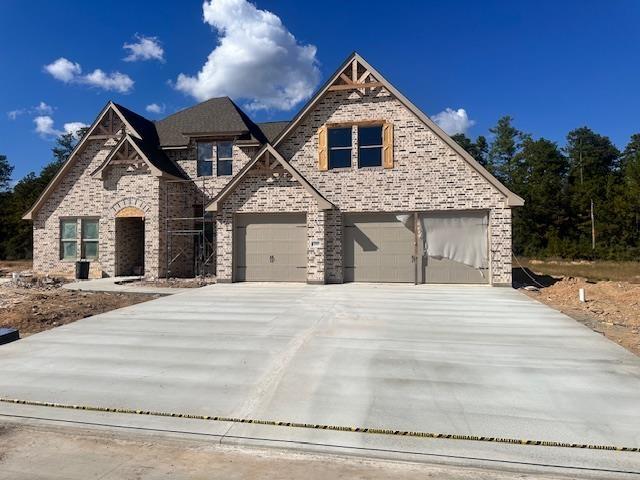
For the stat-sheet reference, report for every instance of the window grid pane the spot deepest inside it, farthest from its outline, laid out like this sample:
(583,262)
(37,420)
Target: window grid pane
(90,250)
(370,157)
(69,229)
(205,159)
(370,136)
(339,137)
(68,250)
(225,150)
(90,230)
(225,167)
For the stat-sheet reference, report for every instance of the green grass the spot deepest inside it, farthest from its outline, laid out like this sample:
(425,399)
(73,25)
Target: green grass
(595,271)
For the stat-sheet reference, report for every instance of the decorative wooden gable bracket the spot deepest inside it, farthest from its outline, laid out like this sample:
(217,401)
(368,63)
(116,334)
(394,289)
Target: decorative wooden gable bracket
(126,152)
(268,164)
(355,77)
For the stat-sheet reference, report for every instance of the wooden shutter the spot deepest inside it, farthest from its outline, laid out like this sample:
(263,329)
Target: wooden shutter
(387,145)
(323,153)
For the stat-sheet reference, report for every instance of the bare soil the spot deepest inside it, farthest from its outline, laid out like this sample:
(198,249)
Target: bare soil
(612,307)
(38,308)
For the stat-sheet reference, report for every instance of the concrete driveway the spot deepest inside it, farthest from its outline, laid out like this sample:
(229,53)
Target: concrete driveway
(468,360)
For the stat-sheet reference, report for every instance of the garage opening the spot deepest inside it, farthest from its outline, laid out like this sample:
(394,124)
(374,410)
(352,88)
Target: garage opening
(452,248)
(129,248)
(270,247)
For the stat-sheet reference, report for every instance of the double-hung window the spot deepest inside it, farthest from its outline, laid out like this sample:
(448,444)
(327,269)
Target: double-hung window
(89,239)
(205,159)
(224,158)
(339,143)
(68,239)
(370,146)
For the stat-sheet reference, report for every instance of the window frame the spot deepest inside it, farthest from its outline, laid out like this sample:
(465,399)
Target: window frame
(224,160)
(64,240)
(84,241)
(380,146)
(330,148)
(210,160)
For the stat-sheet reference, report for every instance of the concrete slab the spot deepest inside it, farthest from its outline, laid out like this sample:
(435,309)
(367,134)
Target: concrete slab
(121,285)
(466,360)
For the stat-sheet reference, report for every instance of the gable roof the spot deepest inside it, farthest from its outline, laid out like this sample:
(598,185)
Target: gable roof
(71,160)
(159,164)
(512,199)
(323,203)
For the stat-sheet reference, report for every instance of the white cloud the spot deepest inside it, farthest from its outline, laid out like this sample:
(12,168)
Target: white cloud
(43,109)
(63,70)
(155,108)
(257,59)
(74,127)
(109,81)
(146,48)
(69,72)
(453,121)
(45,127)
(13,114)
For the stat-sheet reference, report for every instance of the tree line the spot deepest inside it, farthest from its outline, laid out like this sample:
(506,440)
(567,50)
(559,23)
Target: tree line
(562,186)
(559,186)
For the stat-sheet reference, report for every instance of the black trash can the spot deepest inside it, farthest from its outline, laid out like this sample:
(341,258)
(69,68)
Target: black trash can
(82,270)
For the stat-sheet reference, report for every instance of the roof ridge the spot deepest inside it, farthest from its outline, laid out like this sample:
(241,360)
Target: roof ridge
(191,107)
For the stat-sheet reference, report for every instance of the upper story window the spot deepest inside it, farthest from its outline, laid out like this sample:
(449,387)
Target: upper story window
(225,158)
(370,146)
(339,143)
(205,159)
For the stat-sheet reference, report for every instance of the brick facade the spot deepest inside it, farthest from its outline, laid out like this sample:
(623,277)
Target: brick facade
(428,175)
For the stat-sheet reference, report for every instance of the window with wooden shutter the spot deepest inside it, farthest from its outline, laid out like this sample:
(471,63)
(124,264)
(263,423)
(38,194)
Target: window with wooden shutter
(387,145)
(323,157)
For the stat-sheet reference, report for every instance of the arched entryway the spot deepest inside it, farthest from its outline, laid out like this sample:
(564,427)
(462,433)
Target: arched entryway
(129,241)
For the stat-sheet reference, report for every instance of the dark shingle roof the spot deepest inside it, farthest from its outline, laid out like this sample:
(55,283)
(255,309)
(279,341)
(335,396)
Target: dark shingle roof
(271,130)
(217,115)
(158,158)
(214,116)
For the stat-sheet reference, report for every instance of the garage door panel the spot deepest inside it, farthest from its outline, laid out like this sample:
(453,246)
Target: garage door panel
(270,247)
(378,248)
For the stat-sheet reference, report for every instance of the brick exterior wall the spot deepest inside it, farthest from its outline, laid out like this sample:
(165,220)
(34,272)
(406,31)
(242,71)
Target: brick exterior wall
(427,176)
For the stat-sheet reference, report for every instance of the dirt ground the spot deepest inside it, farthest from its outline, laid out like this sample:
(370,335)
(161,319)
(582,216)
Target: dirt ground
(34,305)
(175,282)
(612,307)
(37,451)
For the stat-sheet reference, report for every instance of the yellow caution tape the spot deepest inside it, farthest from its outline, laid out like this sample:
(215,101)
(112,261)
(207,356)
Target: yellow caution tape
(316,426)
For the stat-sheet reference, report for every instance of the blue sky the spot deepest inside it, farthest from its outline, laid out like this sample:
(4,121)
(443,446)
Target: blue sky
(553,65)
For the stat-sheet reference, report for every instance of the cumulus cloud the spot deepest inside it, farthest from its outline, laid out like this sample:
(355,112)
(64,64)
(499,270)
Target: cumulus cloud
(45,127)
(43,108)
(453,121)
(256,59)
(155,108)
(145,48)
(70,72)
(74,128)
(63,70)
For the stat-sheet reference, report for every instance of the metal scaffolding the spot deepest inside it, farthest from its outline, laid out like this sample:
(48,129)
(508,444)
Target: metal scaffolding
(181,197)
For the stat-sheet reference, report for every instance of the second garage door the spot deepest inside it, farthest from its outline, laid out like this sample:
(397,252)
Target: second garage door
(377,248)
(270,247)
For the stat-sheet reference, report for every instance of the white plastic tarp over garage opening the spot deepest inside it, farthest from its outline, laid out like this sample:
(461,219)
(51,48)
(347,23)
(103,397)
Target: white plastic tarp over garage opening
(457,236)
